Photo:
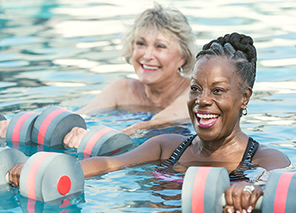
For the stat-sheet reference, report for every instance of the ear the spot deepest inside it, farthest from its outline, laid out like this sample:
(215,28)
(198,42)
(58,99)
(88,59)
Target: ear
(181,62)
(246,97)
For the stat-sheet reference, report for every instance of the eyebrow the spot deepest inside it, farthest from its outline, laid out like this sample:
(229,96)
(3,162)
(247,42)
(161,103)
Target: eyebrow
(220,82)
(167,42)
(215,83)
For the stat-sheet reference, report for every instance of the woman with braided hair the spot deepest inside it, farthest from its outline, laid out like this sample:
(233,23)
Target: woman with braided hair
(220,89)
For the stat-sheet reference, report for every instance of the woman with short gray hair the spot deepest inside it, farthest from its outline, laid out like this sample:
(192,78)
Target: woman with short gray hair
(161,47)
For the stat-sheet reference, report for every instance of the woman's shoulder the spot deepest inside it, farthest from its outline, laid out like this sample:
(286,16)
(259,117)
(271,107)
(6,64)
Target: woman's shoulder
(169,137)
(270,158)
(168,143)
(127,84)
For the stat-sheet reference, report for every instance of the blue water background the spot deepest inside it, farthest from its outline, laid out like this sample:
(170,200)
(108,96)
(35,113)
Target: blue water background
(64,52)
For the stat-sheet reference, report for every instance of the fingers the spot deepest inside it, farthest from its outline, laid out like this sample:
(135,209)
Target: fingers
(128,130)
(242,197)
(228,209)
(246,198)
(74,137)
(229,199)
(258,192)
(14,174)
(237,197)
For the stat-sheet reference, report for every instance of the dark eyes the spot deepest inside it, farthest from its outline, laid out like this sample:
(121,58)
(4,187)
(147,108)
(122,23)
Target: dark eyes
(194,88)
(218,90)
(161,46)
(143,43)
(140,43)
(215,91)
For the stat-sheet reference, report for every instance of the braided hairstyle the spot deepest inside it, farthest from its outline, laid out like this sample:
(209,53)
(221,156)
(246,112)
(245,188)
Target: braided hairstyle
(238,48)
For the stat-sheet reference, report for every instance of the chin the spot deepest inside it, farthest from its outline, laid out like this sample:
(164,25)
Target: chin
(207,134)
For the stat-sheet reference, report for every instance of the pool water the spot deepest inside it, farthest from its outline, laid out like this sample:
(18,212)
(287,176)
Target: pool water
(62,52)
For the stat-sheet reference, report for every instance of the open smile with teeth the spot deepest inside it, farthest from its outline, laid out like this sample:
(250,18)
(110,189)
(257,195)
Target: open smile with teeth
(152,68)
(206,120)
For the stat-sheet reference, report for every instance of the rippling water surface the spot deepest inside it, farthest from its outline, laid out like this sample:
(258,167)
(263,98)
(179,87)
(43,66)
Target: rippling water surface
(62,52)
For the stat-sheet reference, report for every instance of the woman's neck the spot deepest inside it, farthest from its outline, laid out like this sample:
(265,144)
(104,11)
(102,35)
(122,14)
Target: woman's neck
(164,93)
(233,144)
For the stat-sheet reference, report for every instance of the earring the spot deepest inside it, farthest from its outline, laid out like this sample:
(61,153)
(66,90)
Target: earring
(196,101)
(181,69)
(245,111)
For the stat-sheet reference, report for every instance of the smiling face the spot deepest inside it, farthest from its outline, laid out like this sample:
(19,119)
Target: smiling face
(216,98)
(156,57)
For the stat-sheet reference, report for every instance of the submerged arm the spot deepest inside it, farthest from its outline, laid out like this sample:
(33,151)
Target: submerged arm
(175,113)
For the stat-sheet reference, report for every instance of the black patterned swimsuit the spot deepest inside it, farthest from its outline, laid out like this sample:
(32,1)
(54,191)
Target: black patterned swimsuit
(237,174)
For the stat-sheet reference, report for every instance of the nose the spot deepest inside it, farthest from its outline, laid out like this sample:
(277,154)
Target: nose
(149,53)
(204,99)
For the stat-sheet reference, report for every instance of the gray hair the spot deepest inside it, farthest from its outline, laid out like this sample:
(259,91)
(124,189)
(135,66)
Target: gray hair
(169,21)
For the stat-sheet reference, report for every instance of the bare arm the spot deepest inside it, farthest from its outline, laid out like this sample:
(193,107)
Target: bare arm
(175,113)
(157,148)
(154,149)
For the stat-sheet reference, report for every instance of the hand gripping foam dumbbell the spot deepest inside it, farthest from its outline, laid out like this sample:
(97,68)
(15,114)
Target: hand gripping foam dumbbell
(102,140)
(48,128)
(54,123)
(203,191)
(45,176)
(51,126)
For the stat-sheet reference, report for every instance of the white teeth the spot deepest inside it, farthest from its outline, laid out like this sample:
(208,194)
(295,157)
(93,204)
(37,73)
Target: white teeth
(207,116)
(149,68)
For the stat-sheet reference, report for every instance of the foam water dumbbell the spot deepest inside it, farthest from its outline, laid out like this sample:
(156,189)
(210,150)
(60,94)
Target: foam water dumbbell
(19,131)
(53,124)
(20,127)
(2,118)
(203,191)
(102,140)
(9,157)
(51,177)
(45,176)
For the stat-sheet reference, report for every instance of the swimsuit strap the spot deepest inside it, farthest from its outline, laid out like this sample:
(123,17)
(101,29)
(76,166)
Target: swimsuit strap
(246,162)
(250,150)
(178,152)
(237,174)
